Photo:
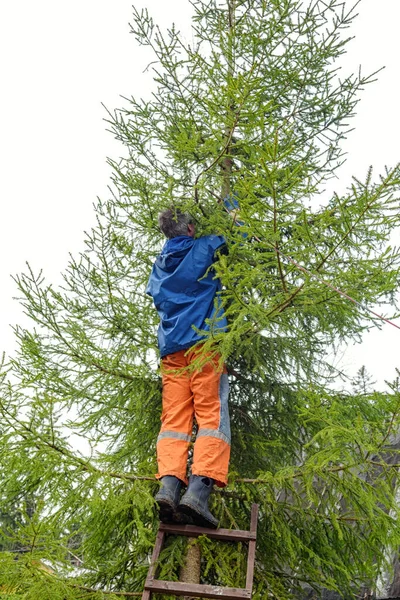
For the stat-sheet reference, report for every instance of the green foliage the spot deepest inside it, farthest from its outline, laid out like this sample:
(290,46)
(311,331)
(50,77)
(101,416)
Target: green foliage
(254,106)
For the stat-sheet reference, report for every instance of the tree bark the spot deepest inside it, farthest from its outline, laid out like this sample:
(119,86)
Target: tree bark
(190,571)
(227,162)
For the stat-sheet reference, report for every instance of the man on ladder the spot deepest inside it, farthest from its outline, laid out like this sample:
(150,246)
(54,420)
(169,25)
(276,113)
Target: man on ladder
(186,292)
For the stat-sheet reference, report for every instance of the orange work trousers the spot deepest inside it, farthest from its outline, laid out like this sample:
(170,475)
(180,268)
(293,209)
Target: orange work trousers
(203,395)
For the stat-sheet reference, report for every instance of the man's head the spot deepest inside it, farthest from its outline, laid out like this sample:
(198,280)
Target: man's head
(174,222)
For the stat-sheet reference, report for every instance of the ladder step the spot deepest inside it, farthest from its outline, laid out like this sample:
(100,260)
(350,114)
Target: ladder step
(229,535)
(194,589)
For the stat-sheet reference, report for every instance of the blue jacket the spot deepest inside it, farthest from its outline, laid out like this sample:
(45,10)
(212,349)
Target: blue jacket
(183,294)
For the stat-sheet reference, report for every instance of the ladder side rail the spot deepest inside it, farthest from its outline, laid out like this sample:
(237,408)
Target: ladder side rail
(153,564)
(252,549)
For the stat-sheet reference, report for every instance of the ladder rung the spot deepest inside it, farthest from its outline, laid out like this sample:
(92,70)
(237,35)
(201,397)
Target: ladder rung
(194,589)
(229,535)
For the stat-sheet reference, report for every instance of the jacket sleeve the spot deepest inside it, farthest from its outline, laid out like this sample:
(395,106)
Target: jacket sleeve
(207,247)
(231,205)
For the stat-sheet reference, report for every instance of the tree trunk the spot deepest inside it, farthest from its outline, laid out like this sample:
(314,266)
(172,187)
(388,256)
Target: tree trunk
(227,162)
(190,572)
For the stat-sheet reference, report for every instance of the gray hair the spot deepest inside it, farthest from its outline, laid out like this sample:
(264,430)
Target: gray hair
(174,222)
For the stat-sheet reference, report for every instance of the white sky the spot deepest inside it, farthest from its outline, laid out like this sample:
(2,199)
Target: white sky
(60,61)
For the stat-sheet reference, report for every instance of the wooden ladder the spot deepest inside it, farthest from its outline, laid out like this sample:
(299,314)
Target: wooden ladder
(204,591)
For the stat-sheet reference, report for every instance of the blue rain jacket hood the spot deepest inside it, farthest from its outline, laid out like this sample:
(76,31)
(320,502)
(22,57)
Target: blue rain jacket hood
(184,295)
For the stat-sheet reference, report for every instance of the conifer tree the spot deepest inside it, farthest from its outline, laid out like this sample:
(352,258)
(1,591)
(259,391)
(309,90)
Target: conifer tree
(254,107)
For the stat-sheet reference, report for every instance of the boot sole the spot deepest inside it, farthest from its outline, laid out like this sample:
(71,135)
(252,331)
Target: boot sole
(166,511)
(169,514)
(196,517)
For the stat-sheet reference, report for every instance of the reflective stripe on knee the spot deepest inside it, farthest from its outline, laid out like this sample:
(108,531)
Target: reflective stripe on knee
(214,434)
(176,435)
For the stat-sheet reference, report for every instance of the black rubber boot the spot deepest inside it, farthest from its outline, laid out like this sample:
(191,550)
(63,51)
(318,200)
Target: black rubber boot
(167,498)
(194,502)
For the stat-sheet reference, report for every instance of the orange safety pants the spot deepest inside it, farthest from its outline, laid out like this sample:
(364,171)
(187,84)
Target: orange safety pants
(202,394)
